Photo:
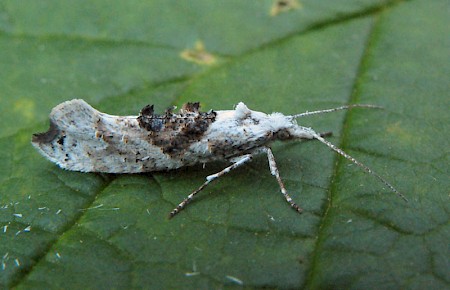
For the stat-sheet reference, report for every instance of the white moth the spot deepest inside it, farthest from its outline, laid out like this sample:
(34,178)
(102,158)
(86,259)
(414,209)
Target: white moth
(81,138)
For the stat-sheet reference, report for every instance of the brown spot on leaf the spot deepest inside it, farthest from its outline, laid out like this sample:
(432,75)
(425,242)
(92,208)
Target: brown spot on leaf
(281,6)
(198,55)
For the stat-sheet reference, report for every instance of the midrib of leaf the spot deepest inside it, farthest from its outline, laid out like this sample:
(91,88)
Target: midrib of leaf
(340,161)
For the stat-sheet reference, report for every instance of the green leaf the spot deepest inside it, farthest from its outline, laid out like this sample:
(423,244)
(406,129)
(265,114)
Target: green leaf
(61,229)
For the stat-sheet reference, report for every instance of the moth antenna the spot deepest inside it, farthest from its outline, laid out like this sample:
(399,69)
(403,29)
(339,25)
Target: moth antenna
(367,169)
(335,109)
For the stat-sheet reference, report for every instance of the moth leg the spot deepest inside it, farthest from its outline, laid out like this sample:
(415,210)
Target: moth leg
(276,173)
(237,162)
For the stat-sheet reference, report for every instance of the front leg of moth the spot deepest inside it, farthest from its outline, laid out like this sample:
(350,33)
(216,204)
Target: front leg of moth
(276,173)
(237,162)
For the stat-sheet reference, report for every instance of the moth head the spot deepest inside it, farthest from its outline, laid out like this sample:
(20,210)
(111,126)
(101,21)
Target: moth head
(286,128)
(283,134)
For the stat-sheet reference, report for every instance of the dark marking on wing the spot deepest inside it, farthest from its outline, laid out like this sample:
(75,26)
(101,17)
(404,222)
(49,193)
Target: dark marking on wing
(46,137)
(191,107)
(174,133)
(110,138)
(148,120)
(61,140)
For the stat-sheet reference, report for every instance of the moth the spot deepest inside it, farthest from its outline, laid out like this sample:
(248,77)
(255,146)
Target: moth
(80,138)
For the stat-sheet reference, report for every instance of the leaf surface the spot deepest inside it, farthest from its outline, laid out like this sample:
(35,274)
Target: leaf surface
(71,230)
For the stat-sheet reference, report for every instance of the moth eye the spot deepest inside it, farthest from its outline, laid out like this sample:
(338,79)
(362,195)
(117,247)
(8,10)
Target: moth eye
(283,135)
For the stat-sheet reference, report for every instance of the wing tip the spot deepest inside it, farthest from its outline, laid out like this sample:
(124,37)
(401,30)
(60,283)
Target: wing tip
(46,137)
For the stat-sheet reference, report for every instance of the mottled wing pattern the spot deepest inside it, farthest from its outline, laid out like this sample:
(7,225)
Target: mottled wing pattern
(176,133)
(83,139)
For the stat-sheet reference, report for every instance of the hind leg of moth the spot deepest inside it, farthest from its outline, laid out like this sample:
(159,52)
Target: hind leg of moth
(237,162)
